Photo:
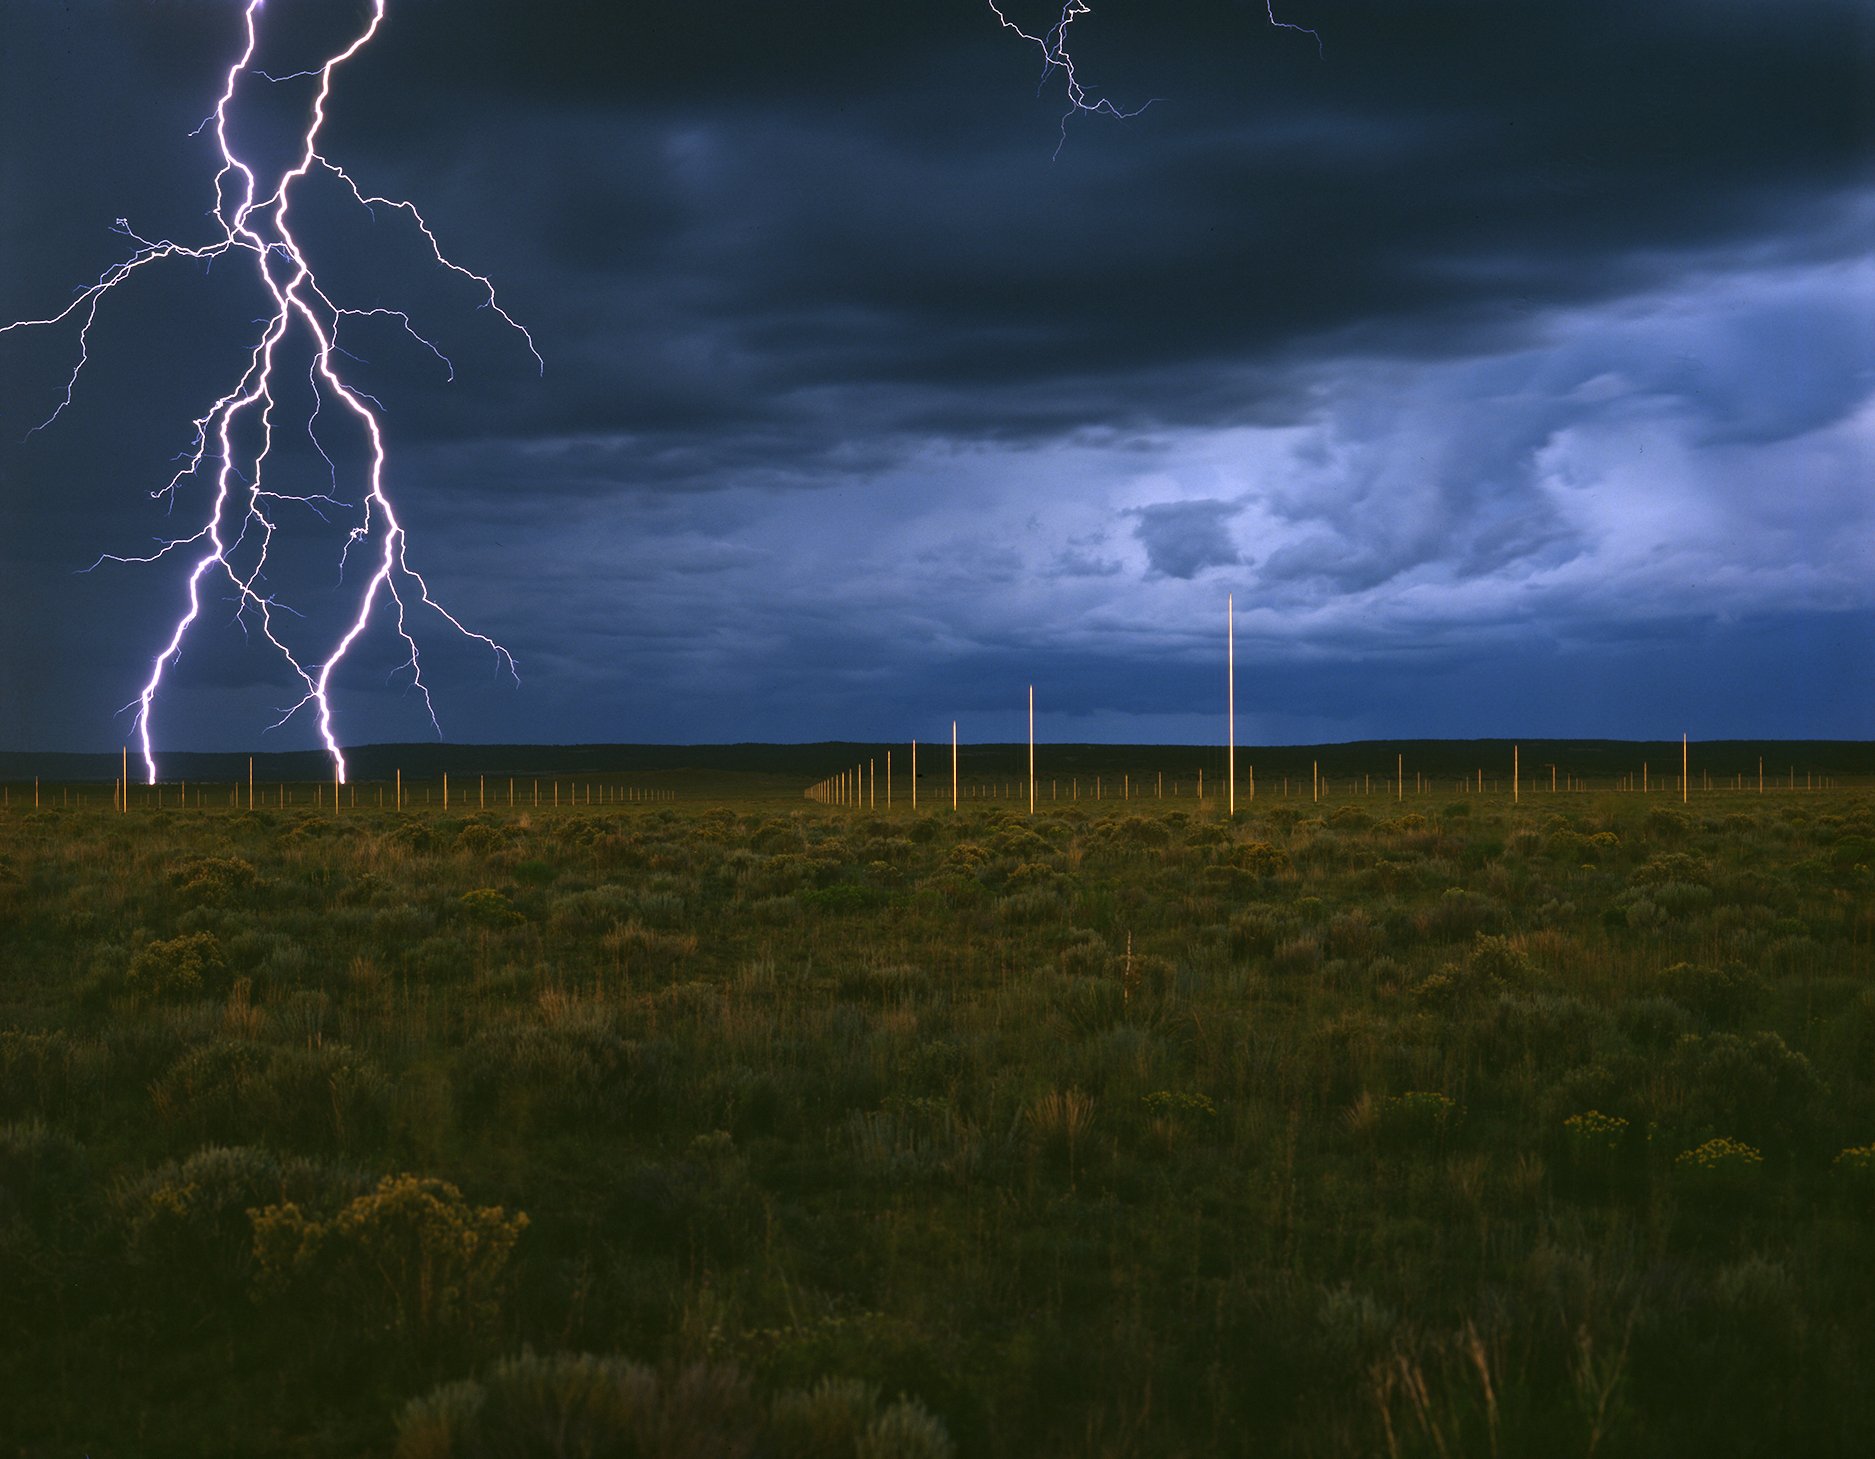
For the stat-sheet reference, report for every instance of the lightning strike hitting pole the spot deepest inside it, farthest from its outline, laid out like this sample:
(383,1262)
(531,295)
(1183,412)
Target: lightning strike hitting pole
(252,220)
(1053,44)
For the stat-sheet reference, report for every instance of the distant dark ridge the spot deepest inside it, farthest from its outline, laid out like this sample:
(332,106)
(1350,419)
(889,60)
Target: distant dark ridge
(1600,760)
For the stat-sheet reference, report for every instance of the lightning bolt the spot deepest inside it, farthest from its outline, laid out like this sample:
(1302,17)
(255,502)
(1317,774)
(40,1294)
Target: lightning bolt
(252,222)
(1053,44)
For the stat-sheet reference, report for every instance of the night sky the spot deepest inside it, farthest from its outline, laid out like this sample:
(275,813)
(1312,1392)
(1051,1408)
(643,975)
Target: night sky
(1512,363)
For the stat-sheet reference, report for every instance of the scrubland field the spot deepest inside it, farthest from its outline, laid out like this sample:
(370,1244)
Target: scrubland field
(1448,1127)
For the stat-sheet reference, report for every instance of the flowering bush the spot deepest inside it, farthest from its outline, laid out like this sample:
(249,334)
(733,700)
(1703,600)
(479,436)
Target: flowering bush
(1854,1169)
(1418,1114)
(413,1255)
(1593,1133)
(1721,1164)
(1166,1103)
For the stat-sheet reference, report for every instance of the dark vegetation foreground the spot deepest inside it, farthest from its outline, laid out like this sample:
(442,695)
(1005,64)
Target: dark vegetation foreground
(1349,1129)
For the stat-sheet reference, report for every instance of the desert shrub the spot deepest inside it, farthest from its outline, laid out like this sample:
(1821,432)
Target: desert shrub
(879,981)
(659,908)
(215,878)
(1459,915)
(1031,906)
(1352,1326)
(489,908)
(189,966)
(1254,932)
(1666,825)
(1417,1117)
(1720,1166)
(634,943)
(1179,1105)
(1524,842)
(588,1405)
(1142,974)
(1543,1028)
(45,1179)
(1678,899)
(478,839)
(590,911)
(1499,961)
(1675,867)
(1084,954)
(45,1072)
(1354,935)
(185,1225)
(1261,859)
(774,911)
(1717,995)
(415,836)
(1569,845)
(412,1257)
(1057,1121)
(1655,1022)
(901,1430)
(1296,957)
(1853,1170)
(1593,1135)
(1757,1088)
(325,1096)
(1142,832)
(843,898)
(531,1076)
(562,1405)
(211,1092)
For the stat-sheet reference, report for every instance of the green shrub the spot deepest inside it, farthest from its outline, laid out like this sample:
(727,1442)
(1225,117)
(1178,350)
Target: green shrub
(412,1257)
(215,878)
(325,1097)
(1084,954)
(1500,960)
(1175,1104)
(1721,1165)
(1260,859)
(530,1076)
(1594,1140)
(1254,932)
(213,1091)
(1654,1023)
(1717,995)
(45,1179)
(489,907)
(574,1405)
(47,1072)
(1418,1116)
(1854,1171)
(185,1225)
(478,840)
(189,966)
(1758,1087)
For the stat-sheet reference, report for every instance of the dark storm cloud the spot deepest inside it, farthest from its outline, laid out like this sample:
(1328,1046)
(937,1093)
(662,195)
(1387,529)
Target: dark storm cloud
(847,221)
(1182,539)
(1487,313)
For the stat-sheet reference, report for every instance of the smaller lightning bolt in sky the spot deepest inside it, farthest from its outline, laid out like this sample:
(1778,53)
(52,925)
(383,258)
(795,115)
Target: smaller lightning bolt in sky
(1053,44)
(232,439)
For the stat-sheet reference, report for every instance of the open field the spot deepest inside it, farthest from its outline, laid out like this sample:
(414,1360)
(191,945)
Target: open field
(1435,1125)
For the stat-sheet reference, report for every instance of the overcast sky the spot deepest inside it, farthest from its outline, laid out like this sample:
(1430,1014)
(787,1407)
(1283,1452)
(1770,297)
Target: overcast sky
(1513,364)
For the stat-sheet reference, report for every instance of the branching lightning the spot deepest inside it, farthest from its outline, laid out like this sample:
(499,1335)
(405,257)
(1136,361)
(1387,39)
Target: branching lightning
(252,221)
(1053,44)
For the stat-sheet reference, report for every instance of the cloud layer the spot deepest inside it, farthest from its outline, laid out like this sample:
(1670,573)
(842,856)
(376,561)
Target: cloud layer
(1511,365)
